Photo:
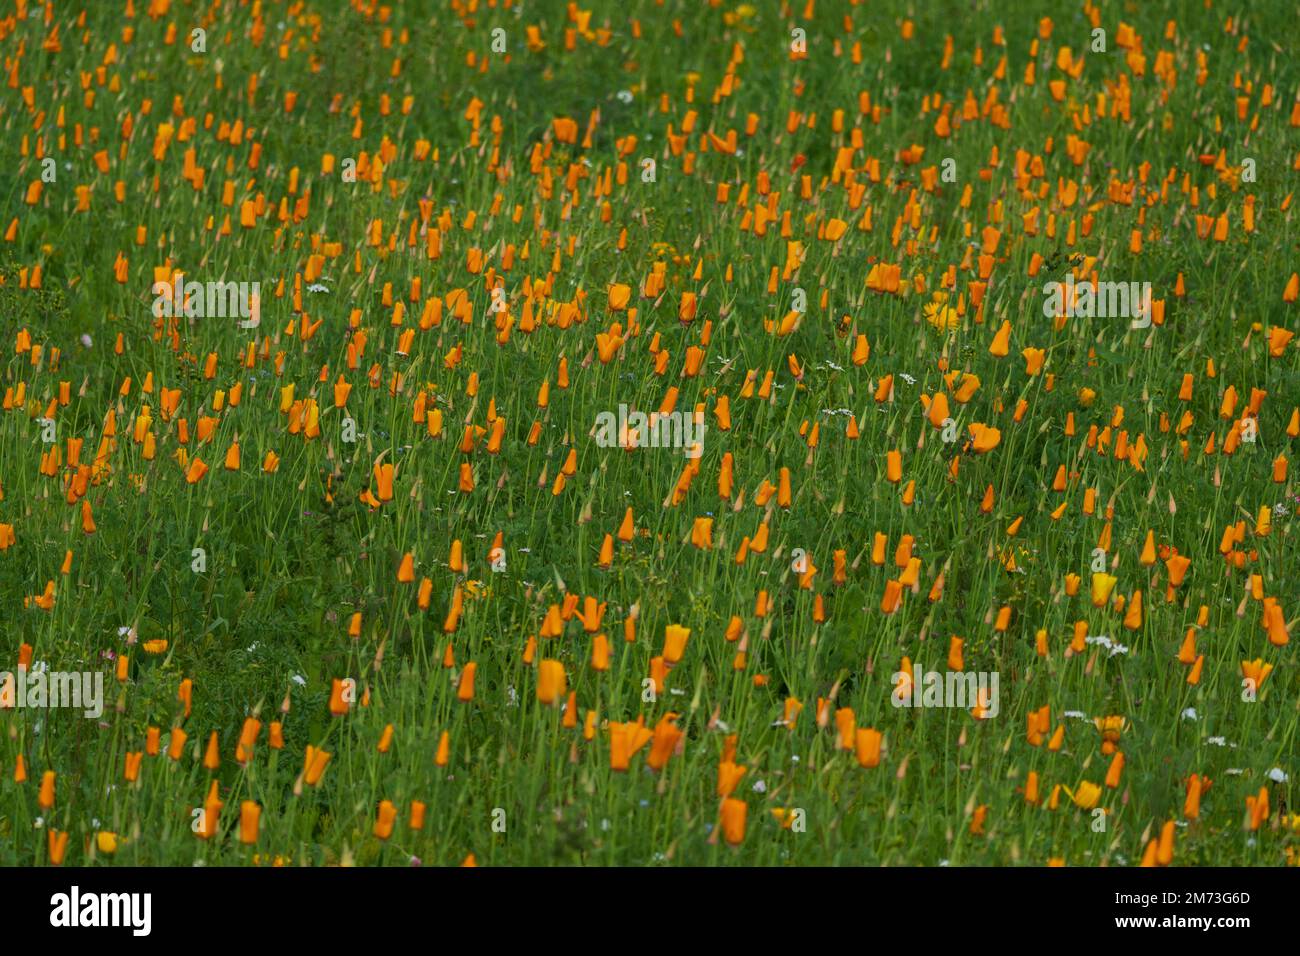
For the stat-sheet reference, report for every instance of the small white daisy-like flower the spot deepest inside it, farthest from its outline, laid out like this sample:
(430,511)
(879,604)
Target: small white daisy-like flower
(1106,642)
(1277,775)
(1189,714)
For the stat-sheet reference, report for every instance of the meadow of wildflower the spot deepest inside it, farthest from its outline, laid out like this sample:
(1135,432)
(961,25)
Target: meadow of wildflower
(517,432)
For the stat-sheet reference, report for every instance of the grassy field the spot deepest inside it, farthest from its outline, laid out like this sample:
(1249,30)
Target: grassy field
(370,578)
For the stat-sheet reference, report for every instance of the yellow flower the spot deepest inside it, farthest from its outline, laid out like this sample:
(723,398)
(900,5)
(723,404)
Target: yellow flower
(1086,797)
(942,316)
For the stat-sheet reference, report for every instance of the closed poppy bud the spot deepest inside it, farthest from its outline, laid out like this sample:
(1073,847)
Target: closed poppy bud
(892,598)
(861,350)
(384,821)
(954,653)
(250,814)
(247,738)
(212,756)
(550,681)
(1192,805)
(1116,770)
(734,814)
(658,673)
(619,296)
(600,653)
(58,845)
(465,686)
(893,467)
(938,410)
(606,557)
(1275,623)
(176,744)
(315,764)
(868,747)
(1165,848)
(339,696)
(675,637)
(417,815)
(131,771)
(1031,788)
(686,308)
(211,813)
(879,545)
(1001,341)
(1133,616)
(45,799)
